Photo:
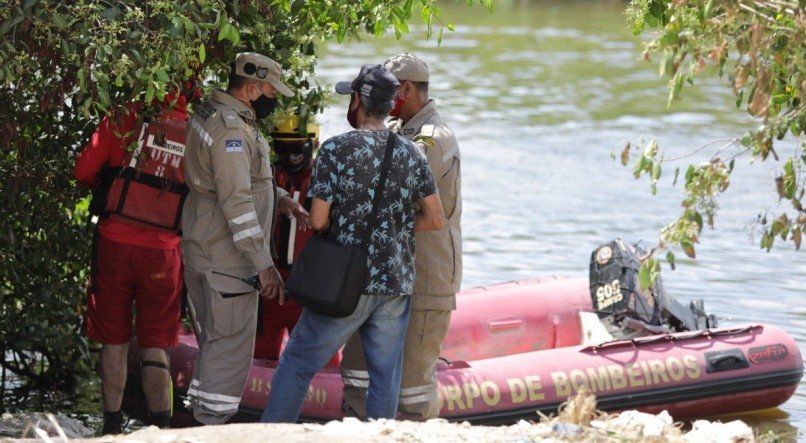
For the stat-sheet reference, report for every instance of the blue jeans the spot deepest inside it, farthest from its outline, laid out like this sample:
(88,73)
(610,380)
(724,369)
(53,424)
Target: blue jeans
(381,321)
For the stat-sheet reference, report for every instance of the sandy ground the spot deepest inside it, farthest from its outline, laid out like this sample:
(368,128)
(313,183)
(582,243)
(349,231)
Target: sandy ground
(578,421)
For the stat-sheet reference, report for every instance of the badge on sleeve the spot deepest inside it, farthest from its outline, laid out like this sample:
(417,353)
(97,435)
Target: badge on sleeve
(234,145)
(427,142)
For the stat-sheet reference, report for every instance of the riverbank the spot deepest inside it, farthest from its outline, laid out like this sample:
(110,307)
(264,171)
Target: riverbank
(577,421)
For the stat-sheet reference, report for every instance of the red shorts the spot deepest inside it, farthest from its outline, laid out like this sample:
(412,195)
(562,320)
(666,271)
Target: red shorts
(279,320)
(276,321)
(148,278)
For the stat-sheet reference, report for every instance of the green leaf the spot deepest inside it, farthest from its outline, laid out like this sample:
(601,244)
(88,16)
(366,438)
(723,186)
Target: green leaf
(149,92)
(644,278)
(235,36)
(688,248)
(656,171)
(59,21)
(224,32)
(670,259)
(674,91)
(178,24)
(708,12)
(162,75)
(669,38)
(159,92)
(82,80)
(651,149)
(639,166)
(112,13)
(767,241)
(103,96)
(637,28)
(202,53)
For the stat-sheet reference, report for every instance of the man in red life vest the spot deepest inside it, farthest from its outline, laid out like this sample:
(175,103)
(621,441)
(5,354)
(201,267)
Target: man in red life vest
(137,172)
(293,170)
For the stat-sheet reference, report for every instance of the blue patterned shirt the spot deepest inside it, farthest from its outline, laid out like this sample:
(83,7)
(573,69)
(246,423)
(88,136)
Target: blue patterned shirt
(347,172)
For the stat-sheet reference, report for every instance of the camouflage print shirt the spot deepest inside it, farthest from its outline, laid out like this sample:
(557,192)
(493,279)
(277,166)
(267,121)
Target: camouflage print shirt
(346,175)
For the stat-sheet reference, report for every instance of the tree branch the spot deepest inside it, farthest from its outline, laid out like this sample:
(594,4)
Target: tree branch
(730,141)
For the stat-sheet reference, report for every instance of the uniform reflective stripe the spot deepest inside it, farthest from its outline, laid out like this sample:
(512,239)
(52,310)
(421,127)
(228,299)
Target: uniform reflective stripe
(202,133)
(222,407)
(247,233)
(355,373)
(356,383)
(417,390)
(423,398)
(214,397)
(450,153)
(243,218)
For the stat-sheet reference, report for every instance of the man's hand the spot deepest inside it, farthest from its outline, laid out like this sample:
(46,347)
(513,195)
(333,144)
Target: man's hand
(271,284)
(291,208)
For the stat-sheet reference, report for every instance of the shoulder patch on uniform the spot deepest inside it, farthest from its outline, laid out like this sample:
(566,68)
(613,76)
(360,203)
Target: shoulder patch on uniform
(231,119)
(235,145)
(426,141)
(428,130)
(206,110)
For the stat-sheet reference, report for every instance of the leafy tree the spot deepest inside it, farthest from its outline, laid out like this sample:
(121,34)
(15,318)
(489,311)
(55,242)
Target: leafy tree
(63,66)
(757,46)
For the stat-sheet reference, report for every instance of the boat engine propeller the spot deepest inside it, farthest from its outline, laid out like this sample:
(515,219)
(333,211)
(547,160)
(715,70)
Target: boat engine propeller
(628,310)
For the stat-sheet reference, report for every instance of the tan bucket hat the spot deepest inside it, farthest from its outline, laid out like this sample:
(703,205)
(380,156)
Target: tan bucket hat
(263,69)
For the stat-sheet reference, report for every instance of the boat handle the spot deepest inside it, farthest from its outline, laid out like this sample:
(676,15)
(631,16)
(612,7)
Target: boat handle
(497,325)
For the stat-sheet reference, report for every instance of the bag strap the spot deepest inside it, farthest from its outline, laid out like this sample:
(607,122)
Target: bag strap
(387,161)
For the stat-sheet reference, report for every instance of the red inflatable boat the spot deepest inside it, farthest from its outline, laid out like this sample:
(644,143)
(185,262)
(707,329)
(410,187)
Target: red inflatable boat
(517,348)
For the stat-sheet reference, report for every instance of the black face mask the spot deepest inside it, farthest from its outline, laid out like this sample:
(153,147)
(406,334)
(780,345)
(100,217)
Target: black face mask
(263,106)
(304,149)
(352,114)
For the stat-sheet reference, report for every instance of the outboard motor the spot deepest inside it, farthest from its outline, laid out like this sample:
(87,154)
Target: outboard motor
(626,309)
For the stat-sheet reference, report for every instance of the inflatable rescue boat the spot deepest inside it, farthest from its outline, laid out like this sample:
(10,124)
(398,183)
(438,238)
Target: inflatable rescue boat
(517,348)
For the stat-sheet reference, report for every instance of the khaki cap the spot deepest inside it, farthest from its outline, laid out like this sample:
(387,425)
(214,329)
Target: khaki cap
(408,67)
(263,69)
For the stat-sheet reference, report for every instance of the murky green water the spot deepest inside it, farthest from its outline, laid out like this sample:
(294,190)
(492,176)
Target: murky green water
(540,94)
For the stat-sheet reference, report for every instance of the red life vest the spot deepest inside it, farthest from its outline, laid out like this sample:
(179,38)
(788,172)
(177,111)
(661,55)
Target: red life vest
(148,189)
(289,236)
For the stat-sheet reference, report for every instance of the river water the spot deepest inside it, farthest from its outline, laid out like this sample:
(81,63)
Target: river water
(541,95)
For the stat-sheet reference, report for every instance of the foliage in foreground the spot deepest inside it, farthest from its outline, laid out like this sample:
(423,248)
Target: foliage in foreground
(757,47)
(63,65)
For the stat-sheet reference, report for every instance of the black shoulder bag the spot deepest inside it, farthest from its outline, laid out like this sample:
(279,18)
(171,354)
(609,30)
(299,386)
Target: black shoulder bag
(329,278)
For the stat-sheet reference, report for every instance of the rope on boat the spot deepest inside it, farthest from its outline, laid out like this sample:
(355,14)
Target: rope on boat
(688,335)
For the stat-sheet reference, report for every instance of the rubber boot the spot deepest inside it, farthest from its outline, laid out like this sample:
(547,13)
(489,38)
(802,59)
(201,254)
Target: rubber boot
(161,420)
(112,423)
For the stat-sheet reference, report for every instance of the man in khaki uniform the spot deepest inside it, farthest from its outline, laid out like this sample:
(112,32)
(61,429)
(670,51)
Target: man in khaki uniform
(438,254)
(227,224)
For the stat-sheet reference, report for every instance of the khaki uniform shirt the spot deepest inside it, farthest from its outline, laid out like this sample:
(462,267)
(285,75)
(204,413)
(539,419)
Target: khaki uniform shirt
(438,253)
(228,217)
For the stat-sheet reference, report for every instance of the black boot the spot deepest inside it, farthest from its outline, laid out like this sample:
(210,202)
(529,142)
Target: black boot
(112,423)
(161,420)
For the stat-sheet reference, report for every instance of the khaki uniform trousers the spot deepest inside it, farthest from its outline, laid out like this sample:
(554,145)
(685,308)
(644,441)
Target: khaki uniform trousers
(226,342)
(418,387)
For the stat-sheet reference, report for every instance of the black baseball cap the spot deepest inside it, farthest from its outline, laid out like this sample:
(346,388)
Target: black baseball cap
(373,81)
